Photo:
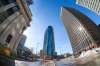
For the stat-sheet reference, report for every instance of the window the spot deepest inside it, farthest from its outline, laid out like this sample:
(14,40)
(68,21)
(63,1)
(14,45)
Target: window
(4,15)
(23,28)
(10,11)
(3,2)
(16,8)
(11,1)
(6,2)
(9,38)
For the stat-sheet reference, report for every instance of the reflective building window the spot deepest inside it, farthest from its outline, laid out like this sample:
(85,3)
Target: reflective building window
(83,32)
(49,44)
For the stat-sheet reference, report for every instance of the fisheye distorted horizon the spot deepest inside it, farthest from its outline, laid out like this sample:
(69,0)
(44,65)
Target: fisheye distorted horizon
(47,12)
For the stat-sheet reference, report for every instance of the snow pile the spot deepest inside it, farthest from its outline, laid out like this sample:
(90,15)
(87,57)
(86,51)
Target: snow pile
(88,56)
(23,63)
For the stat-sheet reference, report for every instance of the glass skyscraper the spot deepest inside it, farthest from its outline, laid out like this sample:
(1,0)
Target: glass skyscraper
(93,5)
(83,32)
(22,41)
(49,44)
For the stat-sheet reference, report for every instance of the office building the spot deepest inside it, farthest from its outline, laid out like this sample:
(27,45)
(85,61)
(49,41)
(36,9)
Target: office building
(82,31)
(21,46)
(93,5)
(22,41)
(49,43)
(24,53)
(15,17)
(41,54)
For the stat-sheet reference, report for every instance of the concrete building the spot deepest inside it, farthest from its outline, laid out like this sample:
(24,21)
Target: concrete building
(49,43)
(41,54)
(83,32)
(93,5)
(15,17)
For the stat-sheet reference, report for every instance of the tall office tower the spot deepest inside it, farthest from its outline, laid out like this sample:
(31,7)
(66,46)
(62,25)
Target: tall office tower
(83,32)
(15,17)
(49,44)
(21,46)
(22,41)
(93,5)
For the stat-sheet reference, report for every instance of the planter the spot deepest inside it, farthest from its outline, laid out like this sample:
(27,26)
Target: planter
(5,51)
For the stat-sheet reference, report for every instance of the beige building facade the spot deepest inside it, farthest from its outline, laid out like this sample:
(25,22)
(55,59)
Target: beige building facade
(15,17)
(93,5)
(83,32)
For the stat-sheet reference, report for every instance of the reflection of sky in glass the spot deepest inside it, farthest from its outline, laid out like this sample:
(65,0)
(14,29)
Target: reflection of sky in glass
(47,12)
(49,44)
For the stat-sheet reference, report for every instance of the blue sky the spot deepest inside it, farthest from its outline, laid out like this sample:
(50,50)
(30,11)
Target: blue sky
(47,12)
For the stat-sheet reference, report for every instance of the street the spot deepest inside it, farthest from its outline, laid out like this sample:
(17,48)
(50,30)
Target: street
(71,61)
(58,63)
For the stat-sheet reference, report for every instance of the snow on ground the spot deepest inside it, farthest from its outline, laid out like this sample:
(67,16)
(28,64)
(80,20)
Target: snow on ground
(66,62)
(38,63)
(23,63)
(88,58)
(50,63)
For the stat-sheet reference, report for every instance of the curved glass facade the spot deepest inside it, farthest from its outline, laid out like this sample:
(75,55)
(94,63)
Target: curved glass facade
(49,44)
(93,5)
(83,32)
